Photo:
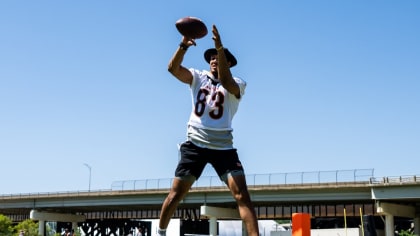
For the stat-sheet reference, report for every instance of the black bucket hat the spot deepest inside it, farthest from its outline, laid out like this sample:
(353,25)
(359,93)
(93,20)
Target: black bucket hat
(213,51)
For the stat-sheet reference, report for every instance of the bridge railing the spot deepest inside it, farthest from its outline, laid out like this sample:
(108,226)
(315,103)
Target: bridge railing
(294,178)
(395,179)
(314,177)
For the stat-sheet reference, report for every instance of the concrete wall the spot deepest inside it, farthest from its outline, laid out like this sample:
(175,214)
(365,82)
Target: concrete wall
(328,232)
(336,232)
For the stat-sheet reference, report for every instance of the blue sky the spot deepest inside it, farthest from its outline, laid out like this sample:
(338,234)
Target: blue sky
(332,85)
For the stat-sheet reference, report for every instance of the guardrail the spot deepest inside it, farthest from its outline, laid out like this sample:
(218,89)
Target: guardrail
(396,179)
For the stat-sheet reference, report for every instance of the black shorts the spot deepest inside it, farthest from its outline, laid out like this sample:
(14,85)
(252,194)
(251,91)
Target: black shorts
(194,159)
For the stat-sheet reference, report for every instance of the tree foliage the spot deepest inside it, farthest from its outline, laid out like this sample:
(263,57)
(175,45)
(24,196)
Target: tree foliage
(29,226)
(406,233)
(6,227)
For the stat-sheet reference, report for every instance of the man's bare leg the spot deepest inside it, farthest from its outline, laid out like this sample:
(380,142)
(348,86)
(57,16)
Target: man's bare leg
(178,191)
(239,190)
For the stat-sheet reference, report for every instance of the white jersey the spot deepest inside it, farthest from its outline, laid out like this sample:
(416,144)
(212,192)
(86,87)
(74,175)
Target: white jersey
(213,109)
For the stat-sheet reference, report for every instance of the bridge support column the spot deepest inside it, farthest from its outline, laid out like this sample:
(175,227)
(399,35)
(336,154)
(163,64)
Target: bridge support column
(417,225)
(213,226)
(41,227)
(47,216)
(390,210)
(389,225)
(214,212)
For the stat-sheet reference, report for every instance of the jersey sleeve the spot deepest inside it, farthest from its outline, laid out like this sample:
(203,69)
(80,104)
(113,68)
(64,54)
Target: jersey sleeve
(195,74)
(242,85)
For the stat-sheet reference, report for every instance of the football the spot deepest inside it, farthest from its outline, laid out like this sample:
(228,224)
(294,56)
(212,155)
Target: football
(191,27)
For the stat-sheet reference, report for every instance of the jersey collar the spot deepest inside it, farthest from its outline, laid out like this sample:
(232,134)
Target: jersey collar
(210,76)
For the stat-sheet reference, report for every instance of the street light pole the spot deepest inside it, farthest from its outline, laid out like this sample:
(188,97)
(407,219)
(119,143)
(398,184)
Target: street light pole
(90,173)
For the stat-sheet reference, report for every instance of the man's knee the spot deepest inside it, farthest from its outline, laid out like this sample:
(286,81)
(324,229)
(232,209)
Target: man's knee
(231,174)
(180,187)
(242,196)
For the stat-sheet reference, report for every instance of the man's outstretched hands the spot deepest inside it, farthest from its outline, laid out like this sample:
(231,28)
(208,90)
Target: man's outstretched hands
(216,38)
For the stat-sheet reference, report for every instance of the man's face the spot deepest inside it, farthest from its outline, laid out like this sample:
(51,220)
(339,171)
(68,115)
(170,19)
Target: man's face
(213,63)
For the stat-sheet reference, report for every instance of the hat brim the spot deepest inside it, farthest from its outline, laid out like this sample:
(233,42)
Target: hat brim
(229,56)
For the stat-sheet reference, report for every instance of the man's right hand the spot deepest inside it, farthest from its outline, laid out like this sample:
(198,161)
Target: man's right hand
(188,41)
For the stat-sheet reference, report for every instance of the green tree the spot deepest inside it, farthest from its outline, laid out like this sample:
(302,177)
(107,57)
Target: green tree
(6,227)
(406,233)
(29,226)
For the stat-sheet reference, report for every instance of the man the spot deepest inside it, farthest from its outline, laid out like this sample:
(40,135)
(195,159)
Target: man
(216,95)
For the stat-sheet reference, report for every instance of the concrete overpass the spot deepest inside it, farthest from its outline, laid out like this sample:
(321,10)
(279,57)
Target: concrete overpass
(385,197)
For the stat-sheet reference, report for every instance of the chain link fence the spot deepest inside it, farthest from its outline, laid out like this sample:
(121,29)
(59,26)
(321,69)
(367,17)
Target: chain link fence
(294,178)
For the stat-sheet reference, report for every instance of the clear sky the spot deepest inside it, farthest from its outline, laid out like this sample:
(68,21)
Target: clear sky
(332,85)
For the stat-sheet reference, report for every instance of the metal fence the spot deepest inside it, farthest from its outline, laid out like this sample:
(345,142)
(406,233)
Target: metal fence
(314,177)
(396,179)
(254,180)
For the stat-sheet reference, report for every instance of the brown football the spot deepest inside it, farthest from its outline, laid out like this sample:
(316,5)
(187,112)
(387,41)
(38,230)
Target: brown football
(191,27)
